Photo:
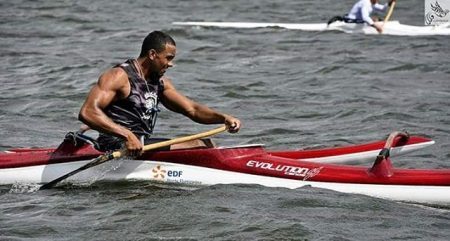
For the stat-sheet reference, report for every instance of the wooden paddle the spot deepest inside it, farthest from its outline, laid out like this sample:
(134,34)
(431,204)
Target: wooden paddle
(389,13)
(120,153)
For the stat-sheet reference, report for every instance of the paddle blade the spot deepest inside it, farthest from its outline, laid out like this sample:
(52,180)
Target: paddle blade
(95,162)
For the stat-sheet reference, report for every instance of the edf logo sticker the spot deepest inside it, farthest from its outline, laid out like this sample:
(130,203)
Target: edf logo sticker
(160,173)
(174,173)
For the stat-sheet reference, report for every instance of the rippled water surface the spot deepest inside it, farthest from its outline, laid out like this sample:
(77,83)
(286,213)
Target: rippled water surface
(291,89)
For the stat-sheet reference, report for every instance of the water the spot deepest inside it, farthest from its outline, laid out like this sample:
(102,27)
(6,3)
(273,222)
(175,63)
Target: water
(291,89)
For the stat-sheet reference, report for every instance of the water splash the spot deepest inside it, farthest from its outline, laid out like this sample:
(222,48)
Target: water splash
(97,173)
(24,188)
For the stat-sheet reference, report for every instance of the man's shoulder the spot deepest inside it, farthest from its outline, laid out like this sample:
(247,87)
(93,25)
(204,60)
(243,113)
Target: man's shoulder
(115,78)
(166,79)
(166,83)
(114,72)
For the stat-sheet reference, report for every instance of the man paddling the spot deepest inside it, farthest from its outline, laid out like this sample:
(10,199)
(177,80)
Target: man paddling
(361,13)
(123,104)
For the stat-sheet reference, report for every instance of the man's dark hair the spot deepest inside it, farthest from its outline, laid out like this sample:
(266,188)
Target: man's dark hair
(156,40)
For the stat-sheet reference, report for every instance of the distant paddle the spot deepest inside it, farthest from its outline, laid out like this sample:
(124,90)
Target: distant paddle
(388,15)
(120,153)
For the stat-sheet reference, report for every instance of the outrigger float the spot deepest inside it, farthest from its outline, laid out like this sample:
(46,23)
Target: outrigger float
(248,164)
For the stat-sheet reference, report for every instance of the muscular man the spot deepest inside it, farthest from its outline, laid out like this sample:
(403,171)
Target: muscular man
(123,104)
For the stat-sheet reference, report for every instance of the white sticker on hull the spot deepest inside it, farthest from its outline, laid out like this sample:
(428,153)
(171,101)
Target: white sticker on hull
(168,175)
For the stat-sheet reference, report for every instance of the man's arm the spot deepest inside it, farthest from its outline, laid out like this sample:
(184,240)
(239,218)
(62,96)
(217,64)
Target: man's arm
(365,14)
(366,18)
(380,7)
(111,86)
(175,101)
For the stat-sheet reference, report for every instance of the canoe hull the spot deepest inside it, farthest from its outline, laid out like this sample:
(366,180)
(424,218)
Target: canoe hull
(390,28)
(173,173)
(249,164)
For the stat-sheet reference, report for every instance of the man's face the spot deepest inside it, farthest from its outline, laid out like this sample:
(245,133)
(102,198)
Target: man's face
(163,60)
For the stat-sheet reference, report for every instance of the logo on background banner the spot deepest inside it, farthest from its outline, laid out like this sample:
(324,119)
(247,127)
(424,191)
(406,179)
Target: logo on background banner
(437,12)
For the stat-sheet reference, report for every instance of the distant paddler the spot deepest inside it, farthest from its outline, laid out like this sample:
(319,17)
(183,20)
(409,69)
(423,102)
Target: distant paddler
(361,13)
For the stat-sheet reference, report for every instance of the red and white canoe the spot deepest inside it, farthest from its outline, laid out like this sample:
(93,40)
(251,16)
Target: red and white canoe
(250,164)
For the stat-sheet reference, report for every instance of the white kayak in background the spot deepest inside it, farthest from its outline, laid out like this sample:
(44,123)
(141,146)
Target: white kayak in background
(389,28)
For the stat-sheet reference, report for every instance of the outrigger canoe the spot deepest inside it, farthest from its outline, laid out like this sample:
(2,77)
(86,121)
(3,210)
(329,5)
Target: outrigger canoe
(389,28)
(247,164)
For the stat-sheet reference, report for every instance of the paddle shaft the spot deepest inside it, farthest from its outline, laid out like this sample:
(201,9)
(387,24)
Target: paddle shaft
(117,154)
(185,139)
(388,15)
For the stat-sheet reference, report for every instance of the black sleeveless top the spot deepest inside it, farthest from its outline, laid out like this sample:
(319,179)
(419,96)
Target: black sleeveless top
(137,112)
